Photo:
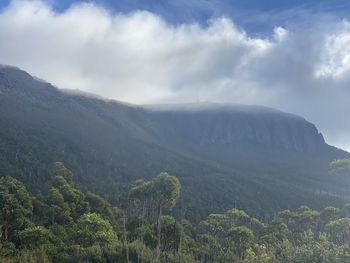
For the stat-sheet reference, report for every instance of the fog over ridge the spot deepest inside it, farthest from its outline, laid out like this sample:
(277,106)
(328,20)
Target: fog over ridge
(139,58)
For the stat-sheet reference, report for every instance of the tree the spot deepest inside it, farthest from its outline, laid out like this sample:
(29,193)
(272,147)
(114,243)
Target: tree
(329,214)
(140,194)
(243,238)
(238,216)
(340,230)
(216,225)
(59,169)
(15,208)
(63,186)
(306,218)
(35,237)
(171,234)
(95,238)
(340,167)
(59,210)
(92,229)
(124,203)
(303,235)
(100,206)
(345,211)
(210,249)
(165,191)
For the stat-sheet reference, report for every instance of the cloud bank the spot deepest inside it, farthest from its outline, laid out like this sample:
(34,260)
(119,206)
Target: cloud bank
(139,58)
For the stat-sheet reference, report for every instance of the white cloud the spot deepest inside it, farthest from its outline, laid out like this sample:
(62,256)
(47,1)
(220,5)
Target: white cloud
(139,58)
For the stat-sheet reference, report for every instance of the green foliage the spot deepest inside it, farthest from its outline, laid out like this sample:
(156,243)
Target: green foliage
(165,190)
(100,206)
(41,125)
(35,237)
(329,214)
(15,209)
(170,234)
(94,239)
(242,238)
(93,229)
(67,225)
(339,230)
(60,170)
(72,196)
(141,253)
(142,229)
(340,167)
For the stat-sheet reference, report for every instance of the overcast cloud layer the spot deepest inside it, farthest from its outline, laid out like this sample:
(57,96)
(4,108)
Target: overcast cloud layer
(139,58)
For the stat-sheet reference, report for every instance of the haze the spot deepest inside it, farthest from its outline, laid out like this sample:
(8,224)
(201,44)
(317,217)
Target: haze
(299,62)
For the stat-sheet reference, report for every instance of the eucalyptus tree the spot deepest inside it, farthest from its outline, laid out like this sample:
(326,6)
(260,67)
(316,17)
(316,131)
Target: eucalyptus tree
(165,191)
(242,238)
(340,167)
(96,239)
(15,208)
(161,193)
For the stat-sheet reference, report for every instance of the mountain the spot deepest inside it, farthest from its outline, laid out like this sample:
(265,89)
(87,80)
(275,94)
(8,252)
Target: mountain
(255,158)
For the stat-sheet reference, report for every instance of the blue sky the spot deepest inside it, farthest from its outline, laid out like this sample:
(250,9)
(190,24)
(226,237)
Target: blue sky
(291,55)
(257,17)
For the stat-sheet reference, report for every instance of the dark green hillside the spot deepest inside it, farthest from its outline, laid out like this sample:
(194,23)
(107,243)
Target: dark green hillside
(253,158)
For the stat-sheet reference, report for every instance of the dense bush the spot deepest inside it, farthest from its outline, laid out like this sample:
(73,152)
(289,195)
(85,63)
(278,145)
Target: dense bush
(67,225)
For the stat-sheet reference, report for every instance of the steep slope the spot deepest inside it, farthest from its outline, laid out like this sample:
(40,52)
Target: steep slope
(224,155)
(237,125)
(233,134)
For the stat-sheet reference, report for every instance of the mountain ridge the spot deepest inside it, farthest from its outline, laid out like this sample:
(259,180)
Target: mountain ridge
(108,144)
(179,107)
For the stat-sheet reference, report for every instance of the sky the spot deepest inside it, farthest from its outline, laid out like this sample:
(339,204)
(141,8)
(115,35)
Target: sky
(291,55)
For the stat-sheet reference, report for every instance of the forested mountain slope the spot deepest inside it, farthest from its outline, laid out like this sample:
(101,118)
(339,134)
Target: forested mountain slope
(225,156)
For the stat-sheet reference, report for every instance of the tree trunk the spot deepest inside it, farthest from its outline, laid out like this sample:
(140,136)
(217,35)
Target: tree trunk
(159,229)
(125,238)
(142,228)
(174,240)
(6,233)
(52,217)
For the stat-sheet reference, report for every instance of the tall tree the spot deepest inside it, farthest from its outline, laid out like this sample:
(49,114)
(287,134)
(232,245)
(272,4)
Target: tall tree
(340,167)
(63,187)
(141,191)
(94,234)
(243,238)
(15,208)
(165,191)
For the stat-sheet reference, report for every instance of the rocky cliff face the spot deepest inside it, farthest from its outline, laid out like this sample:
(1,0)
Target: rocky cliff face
(236,125)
